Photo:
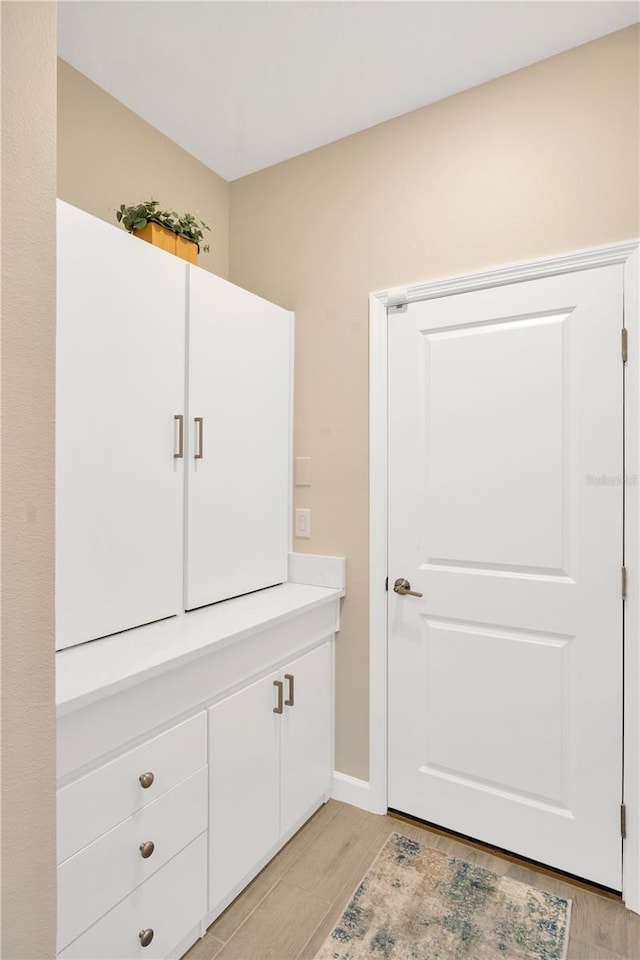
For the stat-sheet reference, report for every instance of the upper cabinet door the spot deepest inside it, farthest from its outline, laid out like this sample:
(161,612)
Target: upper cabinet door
(120,386)
(239,419)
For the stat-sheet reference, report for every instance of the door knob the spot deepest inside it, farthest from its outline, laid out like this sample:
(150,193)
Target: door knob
(146,936)
(146,779)
(403,587)
(146,849)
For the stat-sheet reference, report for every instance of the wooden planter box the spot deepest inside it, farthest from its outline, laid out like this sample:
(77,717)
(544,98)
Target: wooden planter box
(186,249)
(169,241)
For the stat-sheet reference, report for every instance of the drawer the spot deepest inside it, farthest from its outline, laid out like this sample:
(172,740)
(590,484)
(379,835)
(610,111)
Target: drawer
(171,903)
(95,803)
(92,881)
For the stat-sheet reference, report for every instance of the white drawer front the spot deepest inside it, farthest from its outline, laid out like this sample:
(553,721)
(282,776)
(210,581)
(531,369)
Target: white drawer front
(99,876)
(170,903)
(95,803)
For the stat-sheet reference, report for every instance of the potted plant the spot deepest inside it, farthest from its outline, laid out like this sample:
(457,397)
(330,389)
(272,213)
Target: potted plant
(180,234)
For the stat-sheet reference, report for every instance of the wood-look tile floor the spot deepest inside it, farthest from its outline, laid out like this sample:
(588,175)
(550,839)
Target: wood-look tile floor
(294,903)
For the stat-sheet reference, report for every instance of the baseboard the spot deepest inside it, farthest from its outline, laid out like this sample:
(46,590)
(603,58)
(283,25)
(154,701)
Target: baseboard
(350,790)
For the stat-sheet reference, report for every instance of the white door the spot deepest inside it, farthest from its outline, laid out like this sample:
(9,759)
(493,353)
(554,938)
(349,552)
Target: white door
(505,513)
(244,790)
(238,441)
(120,385)
(306,734)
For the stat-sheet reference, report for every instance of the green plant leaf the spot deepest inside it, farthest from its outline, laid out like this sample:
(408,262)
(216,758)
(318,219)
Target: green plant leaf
(139,224)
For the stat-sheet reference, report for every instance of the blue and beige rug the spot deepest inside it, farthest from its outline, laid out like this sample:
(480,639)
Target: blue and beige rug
(417,903)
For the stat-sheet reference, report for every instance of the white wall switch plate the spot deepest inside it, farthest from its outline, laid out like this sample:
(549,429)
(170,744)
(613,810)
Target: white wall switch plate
(303,471)
(303,522)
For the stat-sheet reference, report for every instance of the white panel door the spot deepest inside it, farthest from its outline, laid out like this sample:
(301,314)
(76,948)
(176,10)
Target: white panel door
(238,441)
(505,513)
(306,744)
(244,789)
(120,385)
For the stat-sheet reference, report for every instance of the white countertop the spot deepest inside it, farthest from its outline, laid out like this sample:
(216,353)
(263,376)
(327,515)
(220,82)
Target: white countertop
(92,670)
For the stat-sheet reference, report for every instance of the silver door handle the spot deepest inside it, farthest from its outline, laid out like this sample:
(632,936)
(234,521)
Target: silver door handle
(200,422)
(403,587)
(180,454)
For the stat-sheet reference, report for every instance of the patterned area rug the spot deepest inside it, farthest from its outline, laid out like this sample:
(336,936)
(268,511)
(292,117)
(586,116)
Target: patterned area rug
(417,903)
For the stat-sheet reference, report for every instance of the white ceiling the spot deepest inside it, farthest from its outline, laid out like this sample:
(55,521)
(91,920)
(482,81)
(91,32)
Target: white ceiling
(242,84)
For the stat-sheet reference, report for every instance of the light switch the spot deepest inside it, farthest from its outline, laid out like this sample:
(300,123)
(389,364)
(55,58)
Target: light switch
(303,471)
(303,522)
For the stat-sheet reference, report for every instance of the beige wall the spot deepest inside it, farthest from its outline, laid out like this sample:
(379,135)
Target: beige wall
(539,162)
(27,712)
(108,155)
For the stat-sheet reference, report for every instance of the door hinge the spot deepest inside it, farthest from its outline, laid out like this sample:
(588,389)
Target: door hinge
(625,345)
(397,299)
(623,821)
(623,571)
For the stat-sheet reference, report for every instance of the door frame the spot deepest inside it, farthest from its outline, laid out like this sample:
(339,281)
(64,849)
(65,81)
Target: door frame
(626,253)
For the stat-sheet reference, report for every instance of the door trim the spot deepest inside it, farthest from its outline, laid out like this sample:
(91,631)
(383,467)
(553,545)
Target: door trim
(626,253)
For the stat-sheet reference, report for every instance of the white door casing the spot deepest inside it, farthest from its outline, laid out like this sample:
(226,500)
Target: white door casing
(505,680)
(239,408)
(120,385)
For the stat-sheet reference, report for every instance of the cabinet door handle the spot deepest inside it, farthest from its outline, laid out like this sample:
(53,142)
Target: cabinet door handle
(289,702)
(180,454)
(146,849)
(146,936)
(280,685)
(146,779)
(200,422)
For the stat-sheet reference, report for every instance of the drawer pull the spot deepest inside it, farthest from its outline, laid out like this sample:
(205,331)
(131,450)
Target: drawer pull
(146,779)
(146,936)
(289,702)
(278,684)
(146,849)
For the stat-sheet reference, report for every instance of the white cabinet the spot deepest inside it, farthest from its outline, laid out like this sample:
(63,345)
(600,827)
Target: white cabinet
(160,365)
(120,383)
(270,756)
(167,909)
(244,794)
(306,734)
(138,814)
(239,440)
(140,762)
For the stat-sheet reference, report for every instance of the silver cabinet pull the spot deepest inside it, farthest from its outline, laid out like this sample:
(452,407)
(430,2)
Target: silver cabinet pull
(289,702)
(403,587)
(146,849)
(199,451)
(146,779)
(180,454)
(280,685)
(146,936)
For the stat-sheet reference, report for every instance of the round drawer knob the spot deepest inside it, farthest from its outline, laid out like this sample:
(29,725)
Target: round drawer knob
(146,779)
(146,936)
(146,849)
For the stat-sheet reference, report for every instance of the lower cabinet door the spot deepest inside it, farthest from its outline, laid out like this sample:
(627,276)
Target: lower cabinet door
(164,910)
(307,732)
(244,788)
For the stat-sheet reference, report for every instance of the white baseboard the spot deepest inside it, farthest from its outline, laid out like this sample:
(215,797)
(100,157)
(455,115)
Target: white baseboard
(350,790)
